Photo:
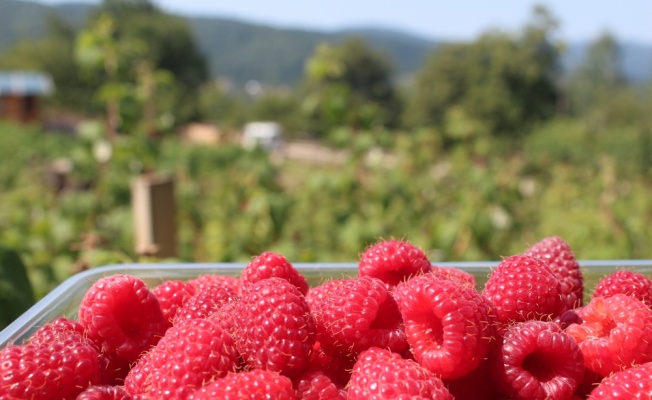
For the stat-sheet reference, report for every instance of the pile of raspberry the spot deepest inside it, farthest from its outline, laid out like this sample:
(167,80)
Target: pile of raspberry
(403,328)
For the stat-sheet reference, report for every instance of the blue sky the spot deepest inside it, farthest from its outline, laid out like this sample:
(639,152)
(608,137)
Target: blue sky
(580,20)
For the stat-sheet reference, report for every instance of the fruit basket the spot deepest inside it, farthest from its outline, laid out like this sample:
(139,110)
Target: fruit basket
(65,299)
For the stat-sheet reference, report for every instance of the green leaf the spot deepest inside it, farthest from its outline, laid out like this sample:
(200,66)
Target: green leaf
(16,295)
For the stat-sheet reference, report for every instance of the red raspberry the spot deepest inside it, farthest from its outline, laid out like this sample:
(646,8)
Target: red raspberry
(336,366)
(273,327)
(104,393)
(210,279)
(393,261)
(625,282)
(448,325)
(476,385)
(187,357)
(122,316)
(171,296)
(57,329)
(632,383)
(356,314)
(59,369)
(454,274)
(616,333)
(537,360)
(272,265)
(523,288)
(560,259)
(380,374)
(204,302)
(316,385)
(252,385)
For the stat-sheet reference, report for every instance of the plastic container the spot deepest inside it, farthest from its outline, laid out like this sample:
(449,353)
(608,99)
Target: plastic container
(65,299)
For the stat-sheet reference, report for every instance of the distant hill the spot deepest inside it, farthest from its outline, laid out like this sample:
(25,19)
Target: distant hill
(241,51)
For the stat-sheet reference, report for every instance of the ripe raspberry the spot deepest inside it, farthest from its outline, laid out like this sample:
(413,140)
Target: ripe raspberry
(537,360)
(633,383)
(59,369)
(122,316)
(58,329)
(380,374)
(393,261)
(104,393)
(252,385)
(616,333)
(273,327)
(523,288)
(171,295)
(316,385)
(211,279)
(272,265)
(448,325)
(204,302)
(187,357)
(561,261)
(476,385)
(356,314)
(454,274)
(625,282)
(336,366)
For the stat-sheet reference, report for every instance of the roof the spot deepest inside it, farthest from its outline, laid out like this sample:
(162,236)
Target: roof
(25,83)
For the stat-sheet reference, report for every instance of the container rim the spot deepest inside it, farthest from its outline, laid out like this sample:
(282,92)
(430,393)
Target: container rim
(57,296)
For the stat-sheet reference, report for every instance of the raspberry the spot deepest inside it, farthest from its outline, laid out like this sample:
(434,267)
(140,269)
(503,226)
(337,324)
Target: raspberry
(273,327)
(210,279)
(523,288)
(356,314)
(253,385)
(204,302)
(615,333)
(537,360)
(336,366)
(633,383)
(560,259)
(625,282)
(58,369)
(476,385)
(272,265)
(186,358)
(315,385)
(393,261)
(122,316)
(454,274)
(171,295)
(380,374)
(57,329)
(448,325)
(101,392)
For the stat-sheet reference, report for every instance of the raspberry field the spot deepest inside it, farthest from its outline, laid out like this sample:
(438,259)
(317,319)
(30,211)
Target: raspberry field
(472,202)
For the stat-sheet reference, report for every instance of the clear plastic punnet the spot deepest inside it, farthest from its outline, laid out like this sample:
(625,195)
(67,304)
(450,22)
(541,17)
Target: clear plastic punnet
(64,300)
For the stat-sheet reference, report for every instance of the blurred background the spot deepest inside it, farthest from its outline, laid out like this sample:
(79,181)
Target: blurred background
(181,131)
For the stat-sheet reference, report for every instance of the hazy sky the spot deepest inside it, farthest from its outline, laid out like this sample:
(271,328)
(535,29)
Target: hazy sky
(461,19)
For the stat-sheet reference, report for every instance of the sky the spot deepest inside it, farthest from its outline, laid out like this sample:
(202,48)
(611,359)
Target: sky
(580,20)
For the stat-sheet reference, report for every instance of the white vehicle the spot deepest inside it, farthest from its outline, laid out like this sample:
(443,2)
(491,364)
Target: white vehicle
(267,135)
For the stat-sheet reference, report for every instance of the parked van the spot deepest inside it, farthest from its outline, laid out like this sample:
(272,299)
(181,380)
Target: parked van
(264,134)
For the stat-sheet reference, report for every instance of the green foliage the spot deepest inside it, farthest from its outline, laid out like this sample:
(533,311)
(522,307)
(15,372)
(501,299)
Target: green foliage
(502,83)
(16,294)
(349,85)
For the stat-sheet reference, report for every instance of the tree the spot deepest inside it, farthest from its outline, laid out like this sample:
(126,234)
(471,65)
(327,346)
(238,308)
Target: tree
(499,84)
(349,85)
(598,78)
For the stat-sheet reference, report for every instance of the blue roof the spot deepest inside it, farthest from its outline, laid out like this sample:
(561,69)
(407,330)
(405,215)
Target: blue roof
(25,83)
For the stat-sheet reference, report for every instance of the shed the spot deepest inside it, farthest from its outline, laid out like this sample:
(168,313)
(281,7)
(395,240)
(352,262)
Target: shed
(20,94)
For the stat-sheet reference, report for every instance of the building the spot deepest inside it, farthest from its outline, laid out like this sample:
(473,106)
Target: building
(20,95)
(264,134)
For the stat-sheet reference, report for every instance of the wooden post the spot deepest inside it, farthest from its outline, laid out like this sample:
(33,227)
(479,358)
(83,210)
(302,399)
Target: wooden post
(155,216)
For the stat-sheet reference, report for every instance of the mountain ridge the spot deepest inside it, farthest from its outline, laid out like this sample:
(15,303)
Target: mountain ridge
(240,50)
